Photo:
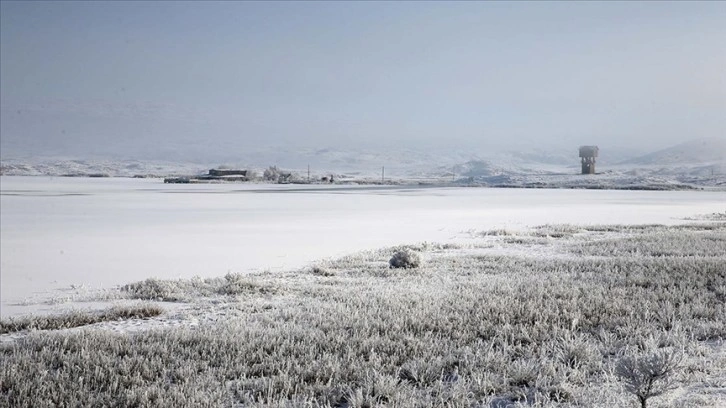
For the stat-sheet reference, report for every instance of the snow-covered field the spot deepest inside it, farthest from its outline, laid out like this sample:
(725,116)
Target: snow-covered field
(61,235)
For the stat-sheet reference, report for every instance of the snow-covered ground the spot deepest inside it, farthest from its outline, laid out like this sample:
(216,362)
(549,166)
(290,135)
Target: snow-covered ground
(61,235)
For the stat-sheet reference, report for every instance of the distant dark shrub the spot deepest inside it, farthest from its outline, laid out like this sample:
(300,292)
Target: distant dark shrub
(321,271)
(405,258)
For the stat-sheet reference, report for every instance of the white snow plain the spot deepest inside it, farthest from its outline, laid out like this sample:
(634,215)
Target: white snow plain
(62,233)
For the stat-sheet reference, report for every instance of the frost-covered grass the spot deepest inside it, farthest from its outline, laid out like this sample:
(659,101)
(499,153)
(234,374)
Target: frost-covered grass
(79,318)
(186,290)
(465,328)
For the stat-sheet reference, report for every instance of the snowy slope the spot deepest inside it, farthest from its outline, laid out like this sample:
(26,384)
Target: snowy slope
(698,152)
(97,168)
(696,163)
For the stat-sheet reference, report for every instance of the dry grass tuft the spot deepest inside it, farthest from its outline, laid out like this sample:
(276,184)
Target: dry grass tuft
(79,318)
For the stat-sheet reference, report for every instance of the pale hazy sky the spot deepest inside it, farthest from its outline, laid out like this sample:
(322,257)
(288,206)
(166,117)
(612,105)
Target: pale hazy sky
(101,77)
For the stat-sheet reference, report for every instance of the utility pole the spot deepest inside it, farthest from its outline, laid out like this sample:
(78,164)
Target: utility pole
(308,173)
(383,174)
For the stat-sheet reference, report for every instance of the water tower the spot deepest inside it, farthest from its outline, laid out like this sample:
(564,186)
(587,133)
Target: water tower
(587,158)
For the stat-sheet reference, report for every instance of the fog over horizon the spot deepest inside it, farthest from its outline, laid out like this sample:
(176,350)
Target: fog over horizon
(205,80)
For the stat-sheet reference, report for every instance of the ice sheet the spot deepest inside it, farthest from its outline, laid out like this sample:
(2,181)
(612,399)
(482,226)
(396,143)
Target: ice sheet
(58,233)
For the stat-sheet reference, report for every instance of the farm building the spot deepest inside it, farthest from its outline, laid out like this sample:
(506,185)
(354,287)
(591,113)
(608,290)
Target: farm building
(225,172)
(225,175)
(212,175)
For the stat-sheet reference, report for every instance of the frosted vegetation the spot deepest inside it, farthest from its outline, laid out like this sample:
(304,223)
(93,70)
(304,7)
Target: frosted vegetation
(79,318)
(405,258)
(556,316)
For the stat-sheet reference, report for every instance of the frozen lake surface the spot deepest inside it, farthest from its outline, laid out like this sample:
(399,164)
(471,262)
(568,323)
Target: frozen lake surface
(58,233)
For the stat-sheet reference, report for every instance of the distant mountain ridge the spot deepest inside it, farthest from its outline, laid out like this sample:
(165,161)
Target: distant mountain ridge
(699,151)
(698,162)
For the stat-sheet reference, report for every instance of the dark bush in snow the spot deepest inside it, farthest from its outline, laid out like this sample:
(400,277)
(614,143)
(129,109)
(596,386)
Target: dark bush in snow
(405,258)
(322,271)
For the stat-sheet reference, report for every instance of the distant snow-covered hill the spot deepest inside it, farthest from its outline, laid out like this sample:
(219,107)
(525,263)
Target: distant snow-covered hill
(700,151)
(692,164)
(97,168)
(697,163)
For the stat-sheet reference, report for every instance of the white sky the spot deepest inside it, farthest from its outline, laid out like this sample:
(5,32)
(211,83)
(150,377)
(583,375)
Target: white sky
(154,79)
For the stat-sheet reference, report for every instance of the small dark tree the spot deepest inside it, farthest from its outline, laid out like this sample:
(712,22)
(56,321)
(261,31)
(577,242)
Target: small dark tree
(648,375)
